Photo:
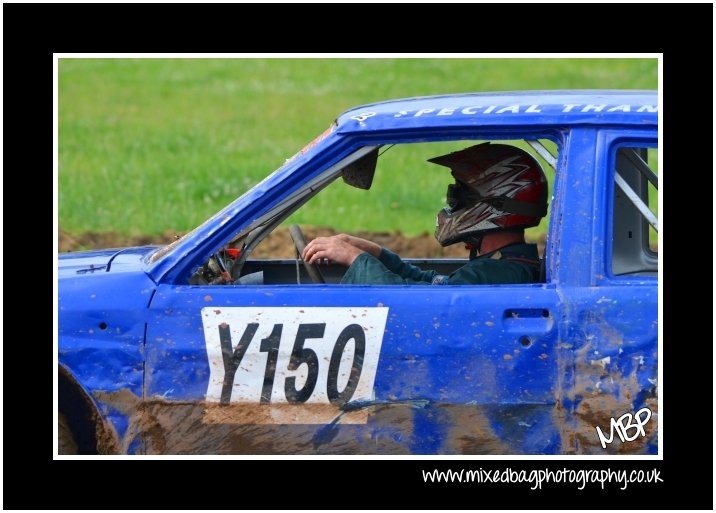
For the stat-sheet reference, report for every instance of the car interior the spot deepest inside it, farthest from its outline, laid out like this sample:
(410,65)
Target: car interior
(635,223)
(235,265)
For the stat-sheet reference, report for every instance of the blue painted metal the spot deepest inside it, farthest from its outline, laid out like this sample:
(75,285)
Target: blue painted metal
(102,320)
(459,371)
(519,108)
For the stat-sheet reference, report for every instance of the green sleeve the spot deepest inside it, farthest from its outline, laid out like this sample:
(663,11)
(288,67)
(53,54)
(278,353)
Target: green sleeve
(388,269)
(487,271)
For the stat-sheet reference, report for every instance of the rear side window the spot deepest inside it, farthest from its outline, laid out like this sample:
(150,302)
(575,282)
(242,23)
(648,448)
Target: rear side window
(635,203)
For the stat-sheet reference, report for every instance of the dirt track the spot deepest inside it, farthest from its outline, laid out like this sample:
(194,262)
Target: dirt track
(277,245)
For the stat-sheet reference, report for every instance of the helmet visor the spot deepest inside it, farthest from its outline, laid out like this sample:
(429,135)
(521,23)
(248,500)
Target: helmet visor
(460,196)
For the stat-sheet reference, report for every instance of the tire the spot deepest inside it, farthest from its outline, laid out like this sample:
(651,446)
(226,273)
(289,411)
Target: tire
(66,442)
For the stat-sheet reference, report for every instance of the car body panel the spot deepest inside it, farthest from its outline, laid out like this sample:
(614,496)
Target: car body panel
(440,350)
(101,330)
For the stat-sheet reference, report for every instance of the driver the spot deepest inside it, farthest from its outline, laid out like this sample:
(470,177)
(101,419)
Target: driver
(499,191)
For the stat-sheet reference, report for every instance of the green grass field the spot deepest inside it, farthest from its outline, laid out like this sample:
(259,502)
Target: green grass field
(151,145)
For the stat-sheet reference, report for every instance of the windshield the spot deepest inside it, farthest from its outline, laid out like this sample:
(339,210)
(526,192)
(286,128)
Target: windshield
(359,167)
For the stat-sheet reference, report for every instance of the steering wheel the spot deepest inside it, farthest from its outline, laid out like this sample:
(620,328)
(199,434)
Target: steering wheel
(300,242)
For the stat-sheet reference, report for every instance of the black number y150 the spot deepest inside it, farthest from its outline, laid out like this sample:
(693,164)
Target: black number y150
(299,355)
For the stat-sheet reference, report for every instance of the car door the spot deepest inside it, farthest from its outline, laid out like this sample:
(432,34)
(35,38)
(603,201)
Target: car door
(610,320)
(352,369)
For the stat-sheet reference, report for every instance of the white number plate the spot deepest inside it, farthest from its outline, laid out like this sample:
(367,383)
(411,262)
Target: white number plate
(293,355)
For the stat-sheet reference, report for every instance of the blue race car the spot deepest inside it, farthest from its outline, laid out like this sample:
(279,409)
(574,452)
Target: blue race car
(198,347)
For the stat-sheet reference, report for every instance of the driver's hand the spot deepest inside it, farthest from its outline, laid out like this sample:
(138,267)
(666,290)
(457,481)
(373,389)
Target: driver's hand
(332,249)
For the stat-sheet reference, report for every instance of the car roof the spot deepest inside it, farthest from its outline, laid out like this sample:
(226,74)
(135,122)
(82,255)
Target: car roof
(537,108)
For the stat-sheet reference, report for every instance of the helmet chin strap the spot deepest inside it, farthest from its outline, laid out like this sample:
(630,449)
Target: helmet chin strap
(473,243)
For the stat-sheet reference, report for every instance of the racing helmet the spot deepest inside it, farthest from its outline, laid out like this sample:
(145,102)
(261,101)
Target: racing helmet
(497,187)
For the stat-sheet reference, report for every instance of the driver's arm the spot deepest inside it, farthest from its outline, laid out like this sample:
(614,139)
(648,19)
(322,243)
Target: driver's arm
(387,269)
(367,262)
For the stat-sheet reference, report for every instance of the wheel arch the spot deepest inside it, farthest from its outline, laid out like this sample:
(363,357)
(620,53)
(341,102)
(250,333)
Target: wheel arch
(91,432)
